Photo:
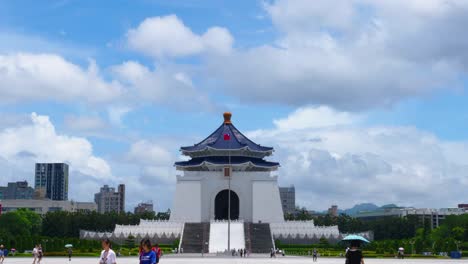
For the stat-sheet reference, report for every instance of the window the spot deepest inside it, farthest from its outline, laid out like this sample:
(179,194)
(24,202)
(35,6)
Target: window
(227,171)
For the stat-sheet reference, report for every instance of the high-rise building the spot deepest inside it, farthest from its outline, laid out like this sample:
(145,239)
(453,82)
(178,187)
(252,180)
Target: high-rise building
(16,190)
(333,210)
(51,181)
(144,207)
(109,200)
(288,199)
(121,190)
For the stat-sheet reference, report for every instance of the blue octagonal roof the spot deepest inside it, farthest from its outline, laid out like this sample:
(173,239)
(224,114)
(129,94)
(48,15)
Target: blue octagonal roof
(217,140)
(226,161)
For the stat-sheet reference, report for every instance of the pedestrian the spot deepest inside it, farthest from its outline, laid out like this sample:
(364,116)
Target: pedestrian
(147,255)
(314,255)
(241,252)
(158,252)
(354,254)
(34,253)
(70,252)
(40,253)
(273,253)
(107,254)
(2,254)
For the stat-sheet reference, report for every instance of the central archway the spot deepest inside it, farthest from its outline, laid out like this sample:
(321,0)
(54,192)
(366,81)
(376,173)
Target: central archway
(221,205)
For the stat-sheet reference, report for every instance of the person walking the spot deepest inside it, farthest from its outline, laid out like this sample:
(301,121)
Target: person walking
(39,254)
(2,254)
(34,253)
(158,252)
(147,255)
(314,255)
(107,254)
(70,252)
(354,254)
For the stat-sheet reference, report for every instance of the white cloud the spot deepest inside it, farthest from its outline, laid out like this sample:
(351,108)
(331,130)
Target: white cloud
(147,153)
(42,144)
(168,37)
(49,77)
(308,117)
(350,55)
(117,113)
(84,123)
(349,163)
(28,77)
(154,160)
(165,86)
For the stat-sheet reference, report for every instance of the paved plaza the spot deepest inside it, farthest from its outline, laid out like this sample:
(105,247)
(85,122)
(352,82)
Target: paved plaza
(253,260)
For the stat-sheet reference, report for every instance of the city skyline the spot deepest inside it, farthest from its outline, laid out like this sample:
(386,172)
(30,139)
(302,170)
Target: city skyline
(360,94)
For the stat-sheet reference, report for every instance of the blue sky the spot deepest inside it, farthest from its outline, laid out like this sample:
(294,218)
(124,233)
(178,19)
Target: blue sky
(128,82)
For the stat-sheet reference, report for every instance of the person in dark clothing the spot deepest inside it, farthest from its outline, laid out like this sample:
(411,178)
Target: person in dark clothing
(40,254)
(314,255)
(354,254)
(70,252)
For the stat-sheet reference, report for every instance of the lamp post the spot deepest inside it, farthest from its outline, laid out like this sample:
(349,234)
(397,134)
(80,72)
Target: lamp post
(412,246)
(229,192)
(45,244)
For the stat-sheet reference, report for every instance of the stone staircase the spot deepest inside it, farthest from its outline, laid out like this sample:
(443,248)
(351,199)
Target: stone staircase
(258,238)
(195,237)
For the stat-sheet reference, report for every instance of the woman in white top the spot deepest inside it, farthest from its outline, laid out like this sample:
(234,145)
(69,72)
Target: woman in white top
(35,254)
(107,254)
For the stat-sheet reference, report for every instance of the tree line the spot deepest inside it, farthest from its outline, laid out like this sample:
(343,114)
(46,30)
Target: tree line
(410,232)
(23,228)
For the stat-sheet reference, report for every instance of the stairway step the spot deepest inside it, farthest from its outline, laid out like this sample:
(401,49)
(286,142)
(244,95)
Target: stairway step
(196,237)
(258,237)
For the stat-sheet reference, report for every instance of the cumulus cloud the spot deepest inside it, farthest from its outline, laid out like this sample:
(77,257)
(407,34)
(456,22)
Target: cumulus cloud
(49,77)
(117,113)
(349,163)
(321,116)
(84,123)
(44,144)
(351,55)
(26,143)
(154,160)
(167,36)
(28,77)
(170,87)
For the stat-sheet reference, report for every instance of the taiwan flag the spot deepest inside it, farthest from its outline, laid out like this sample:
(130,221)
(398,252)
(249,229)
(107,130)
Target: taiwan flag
(227,136)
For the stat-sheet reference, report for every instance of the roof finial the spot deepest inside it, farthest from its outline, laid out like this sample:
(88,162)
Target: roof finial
(227,117)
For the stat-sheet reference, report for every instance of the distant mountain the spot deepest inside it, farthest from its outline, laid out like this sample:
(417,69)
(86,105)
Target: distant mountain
(364,207)
(389,206)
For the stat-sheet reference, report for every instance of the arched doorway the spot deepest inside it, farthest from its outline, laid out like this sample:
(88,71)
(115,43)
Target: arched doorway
(221,205)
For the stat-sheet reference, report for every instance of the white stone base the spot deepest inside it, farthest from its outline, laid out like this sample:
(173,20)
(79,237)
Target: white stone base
(258,193)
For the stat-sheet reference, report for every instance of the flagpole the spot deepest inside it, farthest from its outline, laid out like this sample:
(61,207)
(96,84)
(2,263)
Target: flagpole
(229,195)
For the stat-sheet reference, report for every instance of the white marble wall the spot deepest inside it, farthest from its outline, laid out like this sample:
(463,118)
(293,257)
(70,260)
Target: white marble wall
(197,205)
